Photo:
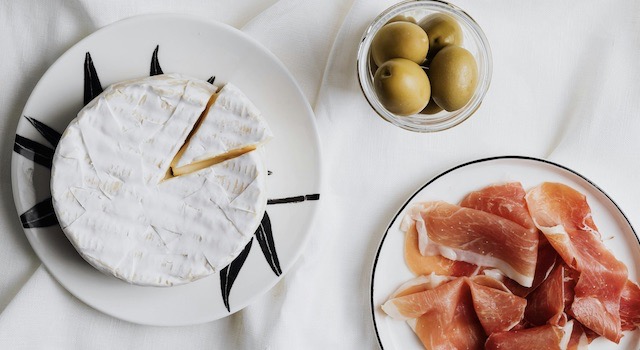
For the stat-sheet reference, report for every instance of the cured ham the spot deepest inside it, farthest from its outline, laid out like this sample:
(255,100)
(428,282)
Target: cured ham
(442,317)
(420,284)
(546,261)
(574,337)
(505,200)
(546,304)
(630,306)
(509,269)
(508,201)
(497,309)
(458,312)
(417,304)
(546,337)
(476,237)
(425,265)
(564,216)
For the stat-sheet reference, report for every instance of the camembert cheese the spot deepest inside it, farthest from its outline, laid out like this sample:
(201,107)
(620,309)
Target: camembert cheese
(120,209)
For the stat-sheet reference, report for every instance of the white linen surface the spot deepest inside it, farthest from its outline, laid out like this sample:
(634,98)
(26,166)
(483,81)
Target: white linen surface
(566,87)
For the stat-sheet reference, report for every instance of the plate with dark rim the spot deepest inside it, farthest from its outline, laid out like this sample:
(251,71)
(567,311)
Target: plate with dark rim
(390,270)
(155,44)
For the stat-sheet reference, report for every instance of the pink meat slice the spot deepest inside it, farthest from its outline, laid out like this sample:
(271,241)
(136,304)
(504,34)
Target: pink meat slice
(630,306)
(417,304)
(425,265)
(546,261)
(508,201)
(497,309)
(564,216)
(505,200)
(443,317)
(460,312)
(546,337)
(476,237)
(420,284)
(575,336)
(546,304)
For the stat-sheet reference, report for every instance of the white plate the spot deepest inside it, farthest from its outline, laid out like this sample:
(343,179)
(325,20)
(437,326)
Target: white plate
(390,270)
(198,48)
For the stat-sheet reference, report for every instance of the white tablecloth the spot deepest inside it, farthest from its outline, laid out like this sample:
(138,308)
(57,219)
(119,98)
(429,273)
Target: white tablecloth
(566,86)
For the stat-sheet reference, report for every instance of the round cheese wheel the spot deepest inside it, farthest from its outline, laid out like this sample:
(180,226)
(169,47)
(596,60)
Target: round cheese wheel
(118,204)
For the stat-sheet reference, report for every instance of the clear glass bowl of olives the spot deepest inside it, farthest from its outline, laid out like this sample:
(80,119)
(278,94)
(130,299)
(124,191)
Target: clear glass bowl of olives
(424,65)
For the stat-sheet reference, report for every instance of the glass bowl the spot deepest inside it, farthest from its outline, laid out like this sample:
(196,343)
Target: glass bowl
(474,40)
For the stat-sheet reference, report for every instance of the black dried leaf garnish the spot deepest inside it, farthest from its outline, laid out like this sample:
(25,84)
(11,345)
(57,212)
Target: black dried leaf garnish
(40,215)
(34,151)
(264,234)
(52,136)
(92,86)
(228,274)
(296,199)
(155,64)
(211,80)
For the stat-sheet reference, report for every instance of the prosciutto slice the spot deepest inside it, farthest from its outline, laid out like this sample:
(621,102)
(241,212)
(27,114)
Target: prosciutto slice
(425,265)
(574,337)
(505,200)
(420,284)
(476,237)
(496,307)
(443,317)
(546,337)
(630,306)
(457,312)
(546,261)
(564,216)
(417,304)
(508,201)
(546,304)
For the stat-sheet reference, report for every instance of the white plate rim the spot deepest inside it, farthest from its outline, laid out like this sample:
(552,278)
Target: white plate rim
(317,187)
(480,160)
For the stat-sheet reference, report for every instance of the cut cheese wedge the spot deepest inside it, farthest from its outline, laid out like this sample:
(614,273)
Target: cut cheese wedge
(205,163)
(118,209)
(230,124)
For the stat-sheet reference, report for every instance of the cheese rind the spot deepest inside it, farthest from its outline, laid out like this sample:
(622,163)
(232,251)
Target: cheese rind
(115,205)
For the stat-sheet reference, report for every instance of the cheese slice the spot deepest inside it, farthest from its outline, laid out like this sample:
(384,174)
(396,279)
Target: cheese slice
(122,214)
(231,123)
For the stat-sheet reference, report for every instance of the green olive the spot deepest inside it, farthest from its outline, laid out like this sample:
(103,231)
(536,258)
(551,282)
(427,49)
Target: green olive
(403,18)
(454,76)
(400,40)
(431,108)
(402,86)
(442,31)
